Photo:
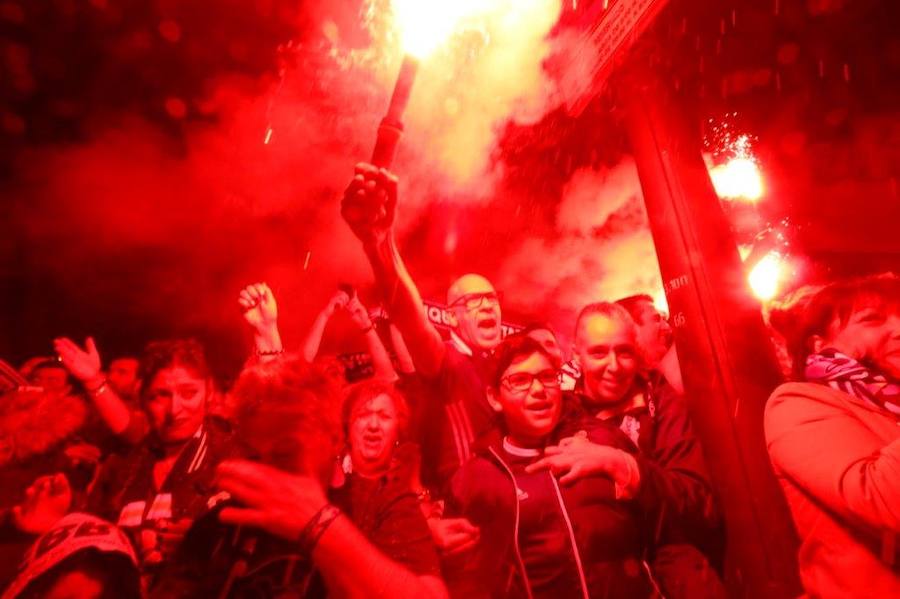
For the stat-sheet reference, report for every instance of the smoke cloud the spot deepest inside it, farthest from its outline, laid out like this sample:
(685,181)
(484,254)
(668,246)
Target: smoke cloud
(168,228)
(599,249)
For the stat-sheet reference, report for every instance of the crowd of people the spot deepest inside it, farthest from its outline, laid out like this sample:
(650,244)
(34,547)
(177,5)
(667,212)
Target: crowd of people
(474,466)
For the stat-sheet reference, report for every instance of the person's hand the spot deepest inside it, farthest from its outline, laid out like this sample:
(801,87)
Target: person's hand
(453,536)
(338,301)
(84,364)
(83,452)
(358,314)
(272,500)
(575,458)
(46,501)
(370,203)
(157,546)
(259,307)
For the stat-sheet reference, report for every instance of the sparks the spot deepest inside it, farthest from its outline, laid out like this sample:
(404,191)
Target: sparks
(739,178)
(766,276)
(426,25)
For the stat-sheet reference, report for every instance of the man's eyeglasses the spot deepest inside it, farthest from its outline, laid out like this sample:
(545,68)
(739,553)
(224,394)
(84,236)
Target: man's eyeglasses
(522,381)
(473,301)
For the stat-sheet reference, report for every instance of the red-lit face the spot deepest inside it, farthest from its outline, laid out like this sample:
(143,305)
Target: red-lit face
(607,354)
(176,402)
(374,432)
(529,398)
(872,335)
(654,335)
(53,380)
(123,376)
(476,309)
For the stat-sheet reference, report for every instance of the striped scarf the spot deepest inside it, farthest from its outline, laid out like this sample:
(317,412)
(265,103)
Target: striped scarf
(841,372)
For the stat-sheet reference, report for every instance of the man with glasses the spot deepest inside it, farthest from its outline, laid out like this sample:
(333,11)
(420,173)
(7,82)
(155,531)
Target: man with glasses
(456,372)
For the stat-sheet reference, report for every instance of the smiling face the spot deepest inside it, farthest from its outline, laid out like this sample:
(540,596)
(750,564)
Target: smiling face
(176,402)
(373,434)
(871,334)
(475,308)
(607,354)
(529,398)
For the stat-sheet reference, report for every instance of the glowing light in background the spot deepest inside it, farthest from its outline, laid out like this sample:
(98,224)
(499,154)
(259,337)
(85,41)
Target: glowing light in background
(660,301)
(733,168)
(739,178)
(426,24)
(767,276)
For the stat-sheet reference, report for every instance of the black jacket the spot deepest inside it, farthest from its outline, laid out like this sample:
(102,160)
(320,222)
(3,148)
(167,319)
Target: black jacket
(673,471)
(609,534)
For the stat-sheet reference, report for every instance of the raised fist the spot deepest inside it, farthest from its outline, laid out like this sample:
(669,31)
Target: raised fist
(339,300)
(259,306)
(358,314)
(370,202)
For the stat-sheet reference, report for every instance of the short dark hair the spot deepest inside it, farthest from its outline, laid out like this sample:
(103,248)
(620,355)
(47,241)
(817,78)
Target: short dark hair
(159,355)
(811,314)
(632,303)
(537,326)
(283,407)
(370,389)
(51,363)
(516,346)
(118,357)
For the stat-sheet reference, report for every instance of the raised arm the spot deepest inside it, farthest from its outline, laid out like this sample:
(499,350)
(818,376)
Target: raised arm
(317,330)
(381,360)
(84,364)
(368,207)
(405,362)
(261,312)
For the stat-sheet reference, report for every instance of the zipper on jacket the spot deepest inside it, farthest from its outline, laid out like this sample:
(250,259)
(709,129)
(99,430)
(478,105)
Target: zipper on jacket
(575,552)
(516,527)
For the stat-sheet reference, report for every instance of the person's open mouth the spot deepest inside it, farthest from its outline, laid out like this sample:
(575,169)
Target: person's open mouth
(487,323)
(541,409)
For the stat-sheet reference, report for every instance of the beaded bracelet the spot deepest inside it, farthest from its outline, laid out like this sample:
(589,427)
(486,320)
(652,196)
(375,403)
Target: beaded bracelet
(269,353)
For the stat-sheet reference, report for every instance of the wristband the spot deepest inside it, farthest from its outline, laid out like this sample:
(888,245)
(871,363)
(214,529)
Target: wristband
(100,388)
(271,352)
(316,527)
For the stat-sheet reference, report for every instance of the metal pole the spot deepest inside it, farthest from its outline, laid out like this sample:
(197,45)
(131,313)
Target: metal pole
(731,366)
